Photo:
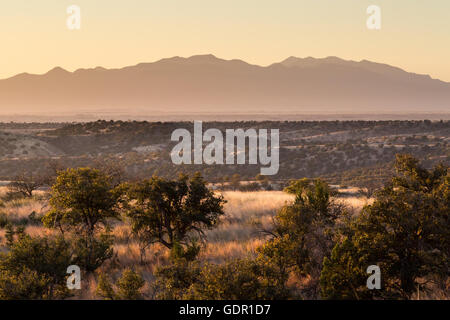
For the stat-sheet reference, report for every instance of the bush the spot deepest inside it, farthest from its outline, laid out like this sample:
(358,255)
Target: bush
(128,286)
(173,281)
(35,268)
(34,219)
(405,232)
(91,253)
(24,285)
(237,279)
(302,233)
(253,186)
(3,220)
(342,274)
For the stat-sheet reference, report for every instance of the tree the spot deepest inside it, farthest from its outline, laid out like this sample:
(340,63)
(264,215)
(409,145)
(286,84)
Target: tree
(11,232)
(24,184)
(405,232)
(408,225)
(302,232)
(172,211)
(51,171)
(369,190)
(235,181)
(278,253)
(263,181)
(35,268)
(342,275)
(83,201)
(113,168)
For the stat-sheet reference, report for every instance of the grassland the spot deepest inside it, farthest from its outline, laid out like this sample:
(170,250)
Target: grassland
(236,236)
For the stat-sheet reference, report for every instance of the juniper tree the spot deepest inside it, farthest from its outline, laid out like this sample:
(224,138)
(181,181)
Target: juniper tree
(172,211)
(83,201)
(301,235)
(406,232)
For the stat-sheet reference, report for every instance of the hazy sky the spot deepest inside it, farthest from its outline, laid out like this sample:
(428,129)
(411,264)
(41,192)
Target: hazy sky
(415,34)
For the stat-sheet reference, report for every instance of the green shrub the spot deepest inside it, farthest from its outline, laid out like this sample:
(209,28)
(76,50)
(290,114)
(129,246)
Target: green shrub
(91,253)
(3,220)
(236,279)
(35,268)
(405,232)
(128,286)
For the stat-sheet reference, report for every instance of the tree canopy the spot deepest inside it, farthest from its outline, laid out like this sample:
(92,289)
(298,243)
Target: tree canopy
(406,232)
(172,211)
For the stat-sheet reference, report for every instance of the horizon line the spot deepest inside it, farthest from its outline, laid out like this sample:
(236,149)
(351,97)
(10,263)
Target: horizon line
(210,55)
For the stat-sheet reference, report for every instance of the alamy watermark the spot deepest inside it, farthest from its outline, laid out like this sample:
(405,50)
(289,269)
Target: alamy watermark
(236,148)
(374,280)
(74,280)
(74,19)
(374,20)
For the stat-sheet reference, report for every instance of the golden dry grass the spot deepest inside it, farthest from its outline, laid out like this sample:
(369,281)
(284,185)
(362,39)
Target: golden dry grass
(258,203)
(356,203)
(236,236)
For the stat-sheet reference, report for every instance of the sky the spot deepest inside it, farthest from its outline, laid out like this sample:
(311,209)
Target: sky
(414,34)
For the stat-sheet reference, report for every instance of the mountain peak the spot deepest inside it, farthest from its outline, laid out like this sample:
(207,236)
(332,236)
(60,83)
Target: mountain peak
(57,71)
(310,61)
(203,57)
(291,60)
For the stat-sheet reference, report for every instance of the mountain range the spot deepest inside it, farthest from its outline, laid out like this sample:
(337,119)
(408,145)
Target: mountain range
(207,84)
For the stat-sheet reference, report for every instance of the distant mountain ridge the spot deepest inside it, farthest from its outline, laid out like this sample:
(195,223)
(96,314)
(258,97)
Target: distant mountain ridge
(205,83)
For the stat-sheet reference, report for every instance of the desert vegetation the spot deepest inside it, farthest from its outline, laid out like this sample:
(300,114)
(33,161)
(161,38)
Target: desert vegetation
(185,238)
(352,153)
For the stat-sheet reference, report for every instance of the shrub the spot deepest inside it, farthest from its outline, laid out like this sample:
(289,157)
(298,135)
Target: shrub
(35,268)
(91,253)
(236,279)
(129,286)
(302,233)
(405,232)
(3,220)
